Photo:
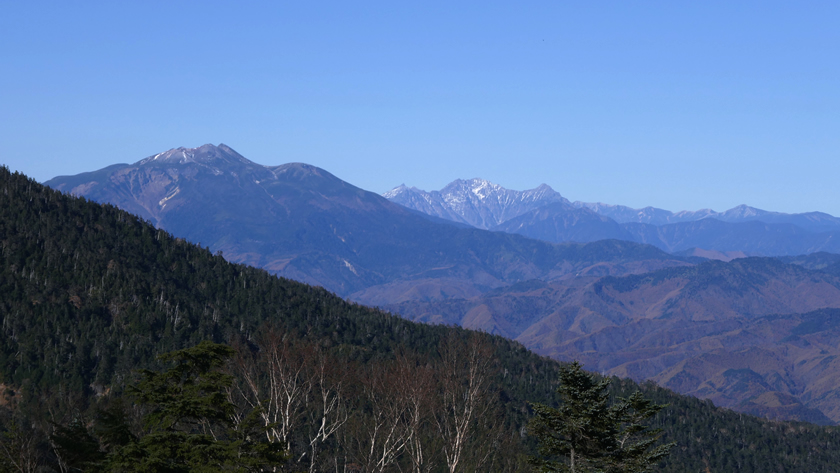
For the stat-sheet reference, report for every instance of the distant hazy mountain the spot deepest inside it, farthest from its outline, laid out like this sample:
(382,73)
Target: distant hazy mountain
(709,237)
(751,237)
(558,222)
(544,214)
(302,222)
(623,214)
(811,221)
(476,202)
(709,330)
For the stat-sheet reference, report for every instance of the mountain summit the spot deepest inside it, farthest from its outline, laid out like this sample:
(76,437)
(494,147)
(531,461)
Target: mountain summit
(476,202)
(205,154)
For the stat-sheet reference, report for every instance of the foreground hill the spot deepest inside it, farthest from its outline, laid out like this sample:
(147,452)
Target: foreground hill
(301,222)
(90,292)
(699,330)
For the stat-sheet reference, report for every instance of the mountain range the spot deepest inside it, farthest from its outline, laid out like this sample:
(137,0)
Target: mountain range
(91,293)
(544,214)
(620,306)
(302,222)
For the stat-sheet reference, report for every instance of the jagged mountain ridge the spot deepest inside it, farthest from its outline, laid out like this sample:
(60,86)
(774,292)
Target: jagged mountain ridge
(743,229)
(447,203)
(476,202)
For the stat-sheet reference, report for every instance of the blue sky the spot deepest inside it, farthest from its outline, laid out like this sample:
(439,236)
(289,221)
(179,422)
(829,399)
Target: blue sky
(680,105)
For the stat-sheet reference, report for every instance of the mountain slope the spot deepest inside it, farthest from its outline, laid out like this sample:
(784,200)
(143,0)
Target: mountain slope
(302,222)
(645,326)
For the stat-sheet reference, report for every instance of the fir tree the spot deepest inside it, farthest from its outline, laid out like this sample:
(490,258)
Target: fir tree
(587,433)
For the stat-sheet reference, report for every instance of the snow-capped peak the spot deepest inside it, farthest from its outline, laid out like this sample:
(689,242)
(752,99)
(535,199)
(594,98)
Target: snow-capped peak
(476,201)
(400,189)
(206,154)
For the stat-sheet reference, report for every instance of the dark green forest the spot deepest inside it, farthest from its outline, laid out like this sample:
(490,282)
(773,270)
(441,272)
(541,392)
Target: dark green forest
(89,294)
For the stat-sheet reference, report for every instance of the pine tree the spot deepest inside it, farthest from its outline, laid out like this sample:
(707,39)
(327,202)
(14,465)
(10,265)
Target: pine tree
(588,434)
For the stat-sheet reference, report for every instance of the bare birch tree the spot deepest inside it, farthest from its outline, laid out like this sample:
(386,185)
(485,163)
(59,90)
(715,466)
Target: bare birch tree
(332,377)
(464,384)
(18,449)
(415,381)
(277,382)
(379,432)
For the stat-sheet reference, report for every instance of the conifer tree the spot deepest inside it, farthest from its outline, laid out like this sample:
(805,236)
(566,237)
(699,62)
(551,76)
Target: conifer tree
(588,434)
(189,423)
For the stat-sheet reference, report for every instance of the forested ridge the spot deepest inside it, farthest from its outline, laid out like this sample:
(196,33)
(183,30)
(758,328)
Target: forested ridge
(90,293)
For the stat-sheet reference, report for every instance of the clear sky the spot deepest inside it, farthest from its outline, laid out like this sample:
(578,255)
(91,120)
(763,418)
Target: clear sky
(679,105)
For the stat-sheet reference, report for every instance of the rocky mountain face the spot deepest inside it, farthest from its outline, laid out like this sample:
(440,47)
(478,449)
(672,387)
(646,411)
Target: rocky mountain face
(302,222)
(720,235)
(710,330)
(476,202)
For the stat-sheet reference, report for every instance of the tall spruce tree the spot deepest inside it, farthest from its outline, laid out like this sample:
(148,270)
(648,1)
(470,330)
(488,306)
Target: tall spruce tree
(587,433)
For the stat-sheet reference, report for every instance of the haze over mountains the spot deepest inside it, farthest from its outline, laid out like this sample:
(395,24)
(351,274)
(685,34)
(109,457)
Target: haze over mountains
(606,295)
(544,214)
